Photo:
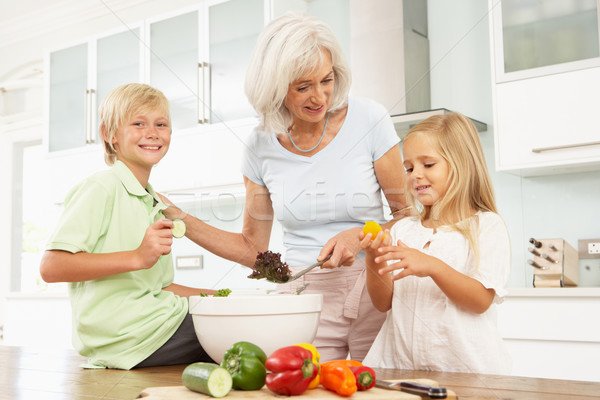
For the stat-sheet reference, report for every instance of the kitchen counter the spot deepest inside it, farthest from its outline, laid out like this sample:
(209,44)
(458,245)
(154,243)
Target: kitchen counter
(554,292)
(44,373)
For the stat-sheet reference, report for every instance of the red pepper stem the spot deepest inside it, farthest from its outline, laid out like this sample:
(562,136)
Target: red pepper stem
(308,368)
(365,379)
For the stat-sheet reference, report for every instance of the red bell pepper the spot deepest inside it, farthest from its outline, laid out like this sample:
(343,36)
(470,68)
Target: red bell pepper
(292,370)
(365,377)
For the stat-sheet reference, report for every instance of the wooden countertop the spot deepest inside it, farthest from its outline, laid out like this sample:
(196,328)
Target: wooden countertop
(54,374)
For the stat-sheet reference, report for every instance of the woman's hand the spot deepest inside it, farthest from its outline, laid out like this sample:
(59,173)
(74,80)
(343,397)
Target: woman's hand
(172,212)
(343,248)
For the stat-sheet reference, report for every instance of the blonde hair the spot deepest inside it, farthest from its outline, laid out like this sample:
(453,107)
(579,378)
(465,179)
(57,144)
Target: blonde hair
(469,186)
(288,48)
(120,105)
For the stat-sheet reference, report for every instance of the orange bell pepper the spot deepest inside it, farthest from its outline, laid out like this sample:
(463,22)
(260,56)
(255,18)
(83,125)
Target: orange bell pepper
(337,377)
(316,359)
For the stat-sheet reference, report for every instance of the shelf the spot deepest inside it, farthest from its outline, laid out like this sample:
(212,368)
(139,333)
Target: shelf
(405,122)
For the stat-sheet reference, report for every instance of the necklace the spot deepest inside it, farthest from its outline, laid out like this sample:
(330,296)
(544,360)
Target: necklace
(316,145)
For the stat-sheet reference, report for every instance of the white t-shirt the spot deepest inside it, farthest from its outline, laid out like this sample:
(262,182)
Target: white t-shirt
(314,198)
(424,330)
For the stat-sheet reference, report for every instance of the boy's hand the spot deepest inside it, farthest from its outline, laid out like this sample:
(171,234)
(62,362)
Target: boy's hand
(157,242)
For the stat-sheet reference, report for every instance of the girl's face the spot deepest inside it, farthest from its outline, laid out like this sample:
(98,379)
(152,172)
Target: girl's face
(143,140)
(426,170)
(308,98)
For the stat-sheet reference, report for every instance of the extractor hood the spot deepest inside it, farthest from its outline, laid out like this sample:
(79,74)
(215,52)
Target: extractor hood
(392,65)
(404,122)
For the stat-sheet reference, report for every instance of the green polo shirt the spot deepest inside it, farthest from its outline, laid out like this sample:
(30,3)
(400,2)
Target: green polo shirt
(120,320)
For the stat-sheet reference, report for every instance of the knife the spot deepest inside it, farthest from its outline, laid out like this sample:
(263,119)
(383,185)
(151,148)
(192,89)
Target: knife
(421,389)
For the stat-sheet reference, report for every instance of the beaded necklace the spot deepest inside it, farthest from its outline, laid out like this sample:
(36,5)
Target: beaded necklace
(316,145)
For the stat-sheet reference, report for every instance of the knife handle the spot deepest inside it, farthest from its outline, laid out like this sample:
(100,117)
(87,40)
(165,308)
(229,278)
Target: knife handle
(434,392)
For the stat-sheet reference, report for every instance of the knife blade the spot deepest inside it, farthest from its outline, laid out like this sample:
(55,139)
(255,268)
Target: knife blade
(421,389)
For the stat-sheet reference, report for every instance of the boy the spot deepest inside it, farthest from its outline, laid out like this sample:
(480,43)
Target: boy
(112,244)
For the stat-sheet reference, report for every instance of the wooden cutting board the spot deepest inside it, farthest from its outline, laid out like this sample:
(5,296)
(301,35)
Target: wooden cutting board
(182,393)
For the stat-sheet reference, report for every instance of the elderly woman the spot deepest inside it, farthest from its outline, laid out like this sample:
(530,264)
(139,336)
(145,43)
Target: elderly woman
(318,162)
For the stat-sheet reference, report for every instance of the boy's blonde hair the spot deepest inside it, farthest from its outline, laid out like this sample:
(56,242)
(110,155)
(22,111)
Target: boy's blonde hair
(120,105)
(469,183)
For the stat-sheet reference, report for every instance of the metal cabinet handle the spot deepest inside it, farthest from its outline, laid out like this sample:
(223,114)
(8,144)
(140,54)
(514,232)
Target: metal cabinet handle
(204,93)
(86,116)
(89,115)
(567,146)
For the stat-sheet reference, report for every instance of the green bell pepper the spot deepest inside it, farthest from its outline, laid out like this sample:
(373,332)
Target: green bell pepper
(245,362)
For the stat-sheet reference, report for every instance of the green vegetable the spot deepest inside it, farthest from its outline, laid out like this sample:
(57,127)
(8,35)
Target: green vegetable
(203,295)
(245,362)
(222,293)
(269,265)
(178,229)
(207,378)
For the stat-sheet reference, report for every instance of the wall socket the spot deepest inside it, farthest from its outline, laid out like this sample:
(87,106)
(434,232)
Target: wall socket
(589,248)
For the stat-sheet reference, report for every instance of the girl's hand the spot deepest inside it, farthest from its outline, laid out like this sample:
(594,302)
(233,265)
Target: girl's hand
(343,248)
(408,260)
(370,245)
(157,242)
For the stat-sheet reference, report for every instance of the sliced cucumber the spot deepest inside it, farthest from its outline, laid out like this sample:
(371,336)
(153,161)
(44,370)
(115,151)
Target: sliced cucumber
(178,228)
(207,378)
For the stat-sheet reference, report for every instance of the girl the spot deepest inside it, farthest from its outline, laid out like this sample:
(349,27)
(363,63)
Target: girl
(450,263)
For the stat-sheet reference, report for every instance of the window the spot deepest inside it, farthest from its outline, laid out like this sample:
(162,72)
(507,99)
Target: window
(34,218)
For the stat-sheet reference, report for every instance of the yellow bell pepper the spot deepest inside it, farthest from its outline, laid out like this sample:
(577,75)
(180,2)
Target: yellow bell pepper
(316,359)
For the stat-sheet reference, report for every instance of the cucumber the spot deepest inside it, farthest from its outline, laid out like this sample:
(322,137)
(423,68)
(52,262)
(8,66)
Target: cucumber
(178,229)
(207,378)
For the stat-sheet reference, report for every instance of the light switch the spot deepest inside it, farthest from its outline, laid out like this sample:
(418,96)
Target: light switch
(189,262)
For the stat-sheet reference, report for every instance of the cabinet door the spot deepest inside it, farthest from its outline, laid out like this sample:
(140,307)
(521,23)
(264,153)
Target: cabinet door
(534,38)
(174,47)
(234,27)
(118,62)
(68,98)
(548,124)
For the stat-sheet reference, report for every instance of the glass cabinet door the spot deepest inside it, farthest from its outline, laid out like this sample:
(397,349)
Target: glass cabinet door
(68,98)
(174,48)
(543,33)
(118,62)
(234,27)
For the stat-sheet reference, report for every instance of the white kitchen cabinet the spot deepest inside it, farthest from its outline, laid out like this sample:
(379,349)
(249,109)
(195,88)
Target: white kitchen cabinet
(80,76)
(552,332)
(198,58)
(545,68)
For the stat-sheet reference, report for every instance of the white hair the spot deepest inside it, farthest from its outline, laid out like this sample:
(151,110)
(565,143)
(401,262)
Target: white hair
(289,48)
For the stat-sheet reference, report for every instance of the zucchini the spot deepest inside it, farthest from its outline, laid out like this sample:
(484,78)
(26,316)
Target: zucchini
(207,378)
(178,229)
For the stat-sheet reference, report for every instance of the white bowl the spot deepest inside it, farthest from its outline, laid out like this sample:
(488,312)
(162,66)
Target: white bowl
(270,321)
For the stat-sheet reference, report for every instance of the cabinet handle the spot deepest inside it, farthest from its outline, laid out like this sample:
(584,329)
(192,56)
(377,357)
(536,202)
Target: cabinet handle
(88,118)
(203,93)
(200,94)
(92,115)
(566,146)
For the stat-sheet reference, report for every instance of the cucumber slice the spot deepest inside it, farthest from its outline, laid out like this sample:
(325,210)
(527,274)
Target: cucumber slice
(207,378)
(178,228)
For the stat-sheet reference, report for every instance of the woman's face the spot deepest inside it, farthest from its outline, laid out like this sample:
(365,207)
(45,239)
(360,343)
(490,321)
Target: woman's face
(308,98)
(426,170)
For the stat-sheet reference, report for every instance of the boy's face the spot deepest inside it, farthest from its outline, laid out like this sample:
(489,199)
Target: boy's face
(143,140)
